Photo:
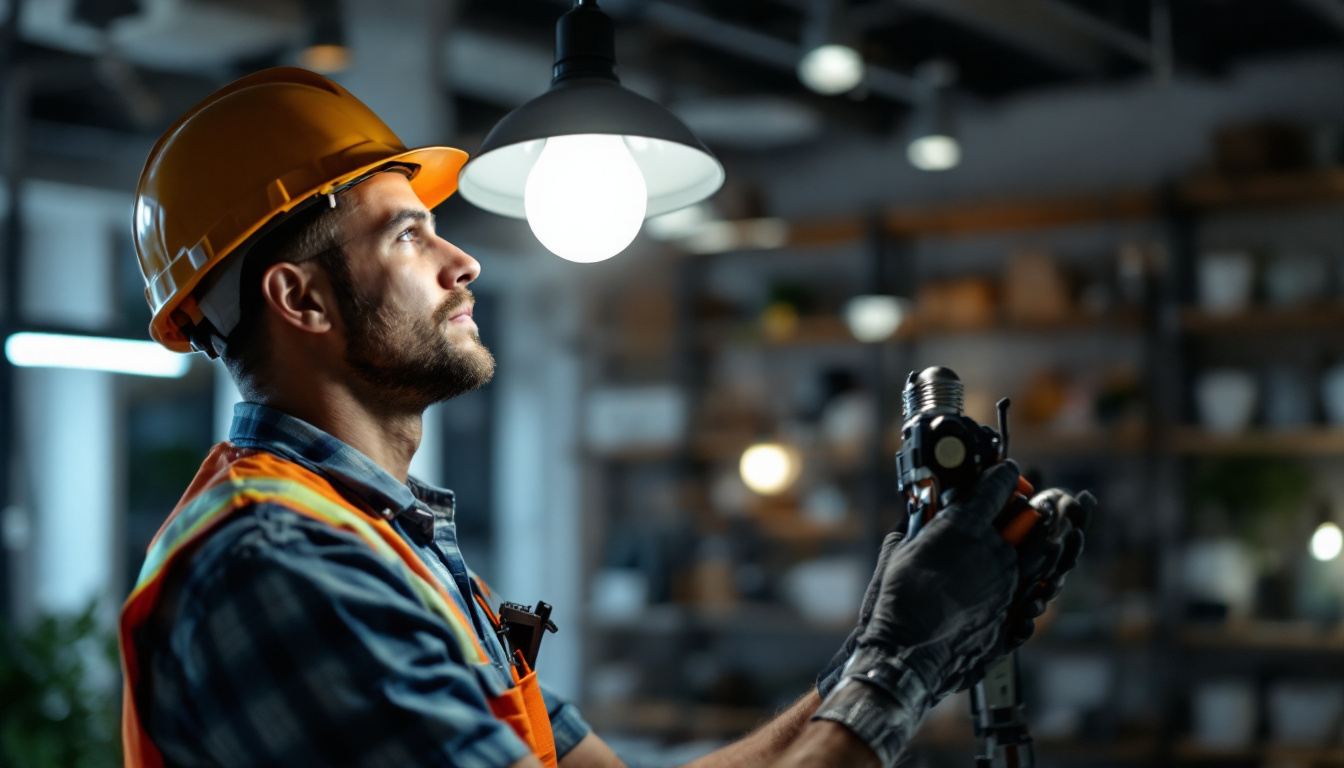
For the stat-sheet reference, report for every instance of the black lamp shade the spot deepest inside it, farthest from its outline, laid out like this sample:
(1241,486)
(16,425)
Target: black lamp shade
(586,98)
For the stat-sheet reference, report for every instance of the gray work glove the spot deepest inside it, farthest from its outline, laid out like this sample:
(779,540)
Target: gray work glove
(940,608)
(1045,557)
(830,674)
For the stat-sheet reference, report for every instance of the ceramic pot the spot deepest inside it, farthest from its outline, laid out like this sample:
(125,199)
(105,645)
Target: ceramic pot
(1332,394)
(1226,279)
(1225,399)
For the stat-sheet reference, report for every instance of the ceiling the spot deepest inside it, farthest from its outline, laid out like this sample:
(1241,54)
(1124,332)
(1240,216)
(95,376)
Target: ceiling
(728,66)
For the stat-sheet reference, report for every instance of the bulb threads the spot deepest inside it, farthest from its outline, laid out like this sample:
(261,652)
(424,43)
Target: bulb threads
(933,391)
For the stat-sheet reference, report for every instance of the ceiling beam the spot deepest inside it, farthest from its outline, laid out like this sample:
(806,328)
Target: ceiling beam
(1330,11)
(1033,27)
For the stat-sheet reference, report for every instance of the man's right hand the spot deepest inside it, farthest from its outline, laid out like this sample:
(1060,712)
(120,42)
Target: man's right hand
(939,611)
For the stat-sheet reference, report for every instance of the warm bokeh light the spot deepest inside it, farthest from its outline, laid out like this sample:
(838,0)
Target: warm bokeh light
(325,59)
(1327,542)
(768,468)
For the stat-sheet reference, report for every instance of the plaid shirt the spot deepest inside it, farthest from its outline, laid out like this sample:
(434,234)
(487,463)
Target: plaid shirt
(285,642)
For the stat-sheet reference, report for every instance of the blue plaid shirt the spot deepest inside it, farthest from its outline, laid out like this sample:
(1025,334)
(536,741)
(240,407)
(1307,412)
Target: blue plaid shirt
(285,642)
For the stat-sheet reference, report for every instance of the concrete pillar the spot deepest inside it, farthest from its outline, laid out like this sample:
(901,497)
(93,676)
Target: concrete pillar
(538,527)
(67,425)
(401,82)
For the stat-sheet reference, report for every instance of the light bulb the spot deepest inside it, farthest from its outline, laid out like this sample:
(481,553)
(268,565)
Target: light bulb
(1327,542)
(934,153)
(875,318)
(768,468)
(831,69)
(585,197)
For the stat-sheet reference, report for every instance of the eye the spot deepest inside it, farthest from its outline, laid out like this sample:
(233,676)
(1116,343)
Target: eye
(407,236)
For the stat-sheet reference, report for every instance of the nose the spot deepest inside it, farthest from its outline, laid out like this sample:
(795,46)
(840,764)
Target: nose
(458,268)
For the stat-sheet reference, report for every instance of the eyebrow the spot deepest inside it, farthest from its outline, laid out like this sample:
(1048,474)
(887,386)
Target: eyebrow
(401,217)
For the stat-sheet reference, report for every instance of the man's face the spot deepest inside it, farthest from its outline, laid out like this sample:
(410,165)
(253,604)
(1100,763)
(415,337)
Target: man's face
(404,301)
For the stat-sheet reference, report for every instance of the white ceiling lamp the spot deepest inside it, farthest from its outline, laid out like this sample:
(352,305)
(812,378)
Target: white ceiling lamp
(933,138)
(831,65)
(326,52)
(586,162)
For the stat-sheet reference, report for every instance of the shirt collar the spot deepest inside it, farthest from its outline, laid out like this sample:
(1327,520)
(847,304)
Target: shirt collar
(265,428)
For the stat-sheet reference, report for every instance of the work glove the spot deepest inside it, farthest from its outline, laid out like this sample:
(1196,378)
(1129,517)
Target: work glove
(1045,557)
(940,608)
(830,674)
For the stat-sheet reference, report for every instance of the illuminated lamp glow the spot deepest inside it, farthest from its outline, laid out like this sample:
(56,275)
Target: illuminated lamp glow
(768,468)
(93,353)
(831,69)
(1327,542)
(934,153)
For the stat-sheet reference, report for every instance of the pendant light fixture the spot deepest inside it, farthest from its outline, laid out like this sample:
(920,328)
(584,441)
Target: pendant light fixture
(586,162)
(831,65)
(327,52)
(933,137)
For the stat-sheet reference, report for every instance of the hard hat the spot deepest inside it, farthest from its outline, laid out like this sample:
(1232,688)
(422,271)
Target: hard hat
(240,160)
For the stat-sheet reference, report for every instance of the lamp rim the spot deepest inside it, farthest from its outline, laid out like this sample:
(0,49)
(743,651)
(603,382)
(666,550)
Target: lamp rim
(535,119)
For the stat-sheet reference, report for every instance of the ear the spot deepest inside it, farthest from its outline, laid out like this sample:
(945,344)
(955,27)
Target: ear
(300,296)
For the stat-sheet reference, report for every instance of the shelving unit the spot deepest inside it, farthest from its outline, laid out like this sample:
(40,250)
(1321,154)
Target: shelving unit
(1155,456)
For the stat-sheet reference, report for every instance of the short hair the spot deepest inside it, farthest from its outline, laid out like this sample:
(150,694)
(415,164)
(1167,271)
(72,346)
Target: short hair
(311,234)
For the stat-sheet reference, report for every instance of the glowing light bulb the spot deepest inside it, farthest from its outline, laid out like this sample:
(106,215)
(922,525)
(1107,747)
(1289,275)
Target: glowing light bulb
(831,69)
(768,468)
(934,153)
(875,318)
(585,198)
(1327,542)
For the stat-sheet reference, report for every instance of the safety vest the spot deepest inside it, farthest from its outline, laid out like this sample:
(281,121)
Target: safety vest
(235,478)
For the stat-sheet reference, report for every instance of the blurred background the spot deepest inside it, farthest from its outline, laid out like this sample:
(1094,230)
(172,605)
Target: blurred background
(1124,214)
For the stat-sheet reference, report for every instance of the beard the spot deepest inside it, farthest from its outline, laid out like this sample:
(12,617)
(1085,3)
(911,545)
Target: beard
(408,360)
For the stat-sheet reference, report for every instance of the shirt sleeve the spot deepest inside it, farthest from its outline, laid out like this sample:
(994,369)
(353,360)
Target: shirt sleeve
(567,726)
(299,647)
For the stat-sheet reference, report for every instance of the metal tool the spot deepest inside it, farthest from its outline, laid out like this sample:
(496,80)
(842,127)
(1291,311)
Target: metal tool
(521,629)
(942,454)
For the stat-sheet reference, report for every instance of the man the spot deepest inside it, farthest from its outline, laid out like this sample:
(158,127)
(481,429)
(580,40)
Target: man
(306,603)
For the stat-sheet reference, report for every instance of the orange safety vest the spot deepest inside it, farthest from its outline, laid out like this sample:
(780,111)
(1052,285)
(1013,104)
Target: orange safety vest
(236,478)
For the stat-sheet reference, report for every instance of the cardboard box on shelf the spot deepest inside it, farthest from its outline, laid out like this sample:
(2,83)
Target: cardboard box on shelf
(1036,290)
(957,305)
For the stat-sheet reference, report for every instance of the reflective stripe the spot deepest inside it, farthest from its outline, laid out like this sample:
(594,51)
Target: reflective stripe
(238,492)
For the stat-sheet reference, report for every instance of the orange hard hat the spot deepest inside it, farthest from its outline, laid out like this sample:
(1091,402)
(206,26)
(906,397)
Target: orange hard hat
(241,159)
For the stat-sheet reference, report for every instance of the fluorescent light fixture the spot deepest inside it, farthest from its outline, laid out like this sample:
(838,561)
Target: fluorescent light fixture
(1327,542)
(831,69)
(93,353)
(875,318)
(934,153)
